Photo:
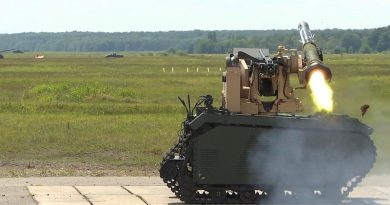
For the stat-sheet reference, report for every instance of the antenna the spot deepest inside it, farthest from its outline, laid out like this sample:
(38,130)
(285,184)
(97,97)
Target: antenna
(189,104)
(184,104)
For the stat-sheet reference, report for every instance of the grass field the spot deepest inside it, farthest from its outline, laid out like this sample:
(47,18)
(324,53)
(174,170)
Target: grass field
(82,114)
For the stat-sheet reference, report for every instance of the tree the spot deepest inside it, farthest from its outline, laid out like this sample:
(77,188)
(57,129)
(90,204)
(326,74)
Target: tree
(212,35)
(197,41)
(365,48)
(384,42)
(374,37)
(171,50)
(351,42)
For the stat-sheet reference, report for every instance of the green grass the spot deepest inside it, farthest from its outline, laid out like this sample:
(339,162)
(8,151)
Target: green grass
(78,111)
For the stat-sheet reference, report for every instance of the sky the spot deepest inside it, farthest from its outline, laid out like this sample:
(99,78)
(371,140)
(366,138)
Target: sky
(157,15)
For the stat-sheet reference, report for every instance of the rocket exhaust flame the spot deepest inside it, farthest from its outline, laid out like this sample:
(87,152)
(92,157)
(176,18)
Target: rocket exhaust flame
(321,92)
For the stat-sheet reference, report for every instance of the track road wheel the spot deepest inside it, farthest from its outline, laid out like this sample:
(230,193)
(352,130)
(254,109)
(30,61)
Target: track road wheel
(247,195)
(218,196)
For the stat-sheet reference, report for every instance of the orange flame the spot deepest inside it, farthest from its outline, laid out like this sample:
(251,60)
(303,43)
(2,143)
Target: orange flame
(321,92)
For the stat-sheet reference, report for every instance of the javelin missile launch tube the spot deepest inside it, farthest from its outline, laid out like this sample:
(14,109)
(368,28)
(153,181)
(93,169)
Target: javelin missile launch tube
(312,54)
(305,33)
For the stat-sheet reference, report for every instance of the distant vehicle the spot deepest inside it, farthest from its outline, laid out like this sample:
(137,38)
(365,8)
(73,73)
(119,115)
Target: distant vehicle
(114,55)
(17,51)
(39,56)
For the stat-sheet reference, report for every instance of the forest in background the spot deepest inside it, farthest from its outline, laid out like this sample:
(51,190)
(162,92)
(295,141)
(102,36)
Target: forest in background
(198,41)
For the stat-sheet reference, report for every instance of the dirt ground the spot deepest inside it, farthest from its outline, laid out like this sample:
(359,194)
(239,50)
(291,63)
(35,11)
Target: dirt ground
(40,169)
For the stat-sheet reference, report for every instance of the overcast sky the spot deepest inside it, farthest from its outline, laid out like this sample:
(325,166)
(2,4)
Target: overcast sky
(163,15)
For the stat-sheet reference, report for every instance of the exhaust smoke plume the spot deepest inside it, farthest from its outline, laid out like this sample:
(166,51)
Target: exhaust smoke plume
(308,165)
(321,92)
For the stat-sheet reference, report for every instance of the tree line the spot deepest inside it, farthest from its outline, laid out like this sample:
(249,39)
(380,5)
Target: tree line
(198,41)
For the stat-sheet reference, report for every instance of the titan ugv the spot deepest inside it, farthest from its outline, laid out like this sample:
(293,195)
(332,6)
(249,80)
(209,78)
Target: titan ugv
(253,148)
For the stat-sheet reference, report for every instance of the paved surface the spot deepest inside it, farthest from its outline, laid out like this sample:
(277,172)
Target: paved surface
(375,190)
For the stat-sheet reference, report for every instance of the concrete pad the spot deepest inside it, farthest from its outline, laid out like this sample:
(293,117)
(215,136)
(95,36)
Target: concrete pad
(15,195)
(115,199)
(43,190)
(150,190)
(134,190)
(77,199)
(370,195)
(369,191)
(64,203)
(102,190)
(107,195)
(57,195)
(362,192)
(155,195)
(160,199)
(383,190)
